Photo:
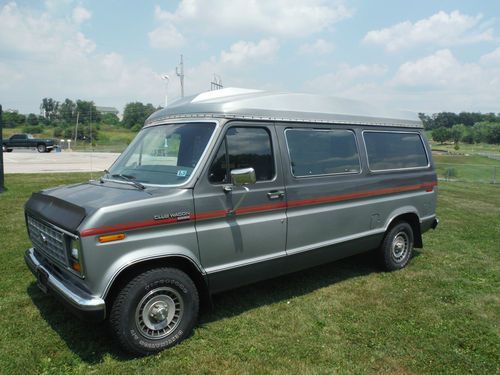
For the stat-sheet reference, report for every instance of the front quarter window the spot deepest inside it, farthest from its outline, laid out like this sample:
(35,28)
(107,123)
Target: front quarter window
(164,154)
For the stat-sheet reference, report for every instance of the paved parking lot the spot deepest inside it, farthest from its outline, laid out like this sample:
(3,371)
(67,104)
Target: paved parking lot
(28,161)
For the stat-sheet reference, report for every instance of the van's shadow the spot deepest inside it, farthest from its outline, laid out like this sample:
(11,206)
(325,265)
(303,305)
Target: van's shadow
(91,341)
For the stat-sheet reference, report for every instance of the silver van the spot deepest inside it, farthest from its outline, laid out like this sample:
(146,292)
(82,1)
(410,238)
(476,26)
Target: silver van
(223,189)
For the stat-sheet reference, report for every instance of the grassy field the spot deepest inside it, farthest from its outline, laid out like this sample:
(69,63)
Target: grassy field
(470,167)
(439,315)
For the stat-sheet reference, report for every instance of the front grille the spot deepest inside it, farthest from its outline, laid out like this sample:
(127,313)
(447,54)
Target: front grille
(47,240)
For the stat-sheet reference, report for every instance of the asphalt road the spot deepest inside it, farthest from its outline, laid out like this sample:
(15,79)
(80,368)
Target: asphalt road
(29,161)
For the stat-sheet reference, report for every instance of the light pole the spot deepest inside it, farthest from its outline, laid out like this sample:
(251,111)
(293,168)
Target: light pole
(167,79)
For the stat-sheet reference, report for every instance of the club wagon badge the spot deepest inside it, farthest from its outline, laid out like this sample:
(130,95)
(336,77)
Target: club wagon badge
(180,216)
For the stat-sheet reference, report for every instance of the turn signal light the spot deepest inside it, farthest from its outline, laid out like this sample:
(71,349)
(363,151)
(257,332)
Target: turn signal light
(112,237)
(76,266)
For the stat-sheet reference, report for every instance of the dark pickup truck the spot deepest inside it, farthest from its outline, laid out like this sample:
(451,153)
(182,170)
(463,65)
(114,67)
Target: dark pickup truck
(27,141)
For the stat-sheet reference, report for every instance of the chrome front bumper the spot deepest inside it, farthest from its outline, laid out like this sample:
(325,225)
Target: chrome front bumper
(78,301)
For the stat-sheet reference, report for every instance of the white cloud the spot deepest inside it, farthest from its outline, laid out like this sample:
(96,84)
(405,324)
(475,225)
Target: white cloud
(80,14)
(434,83)
(319,47)
(50,56)
(492,58)
(344,78)
(166,36)
(441,29)
(248,52)
(290,18)
(439,70)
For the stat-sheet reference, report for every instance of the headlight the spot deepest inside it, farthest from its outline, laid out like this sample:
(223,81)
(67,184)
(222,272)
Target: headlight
(76,252)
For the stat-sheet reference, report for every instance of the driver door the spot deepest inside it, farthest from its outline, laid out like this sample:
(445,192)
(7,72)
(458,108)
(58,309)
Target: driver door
(241,234)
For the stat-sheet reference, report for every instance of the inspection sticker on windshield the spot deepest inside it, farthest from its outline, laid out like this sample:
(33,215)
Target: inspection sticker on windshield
(182,173)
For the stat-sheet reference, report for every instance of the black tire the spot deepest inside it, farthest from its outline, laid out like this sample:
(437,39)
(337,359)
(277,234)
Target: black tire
(397,247)
(41,148)
(154,311)
(9,150)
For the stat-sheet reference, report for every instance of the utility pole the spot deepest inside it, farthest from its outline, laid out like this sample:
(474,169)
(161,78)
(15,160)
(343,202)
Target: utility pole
(1,155)
(76,127)
(180,74)
(166,78)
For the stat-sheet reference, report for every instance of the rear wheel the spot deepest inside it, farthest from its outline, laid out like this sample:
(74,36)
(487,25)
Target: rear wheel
(41,148)
(397,248)
(155,311)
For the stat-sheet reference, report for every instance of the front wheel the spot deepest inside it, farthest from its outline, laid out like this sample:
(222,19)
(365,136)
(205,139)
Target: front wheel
(41,148)
(154,311)
(397,247)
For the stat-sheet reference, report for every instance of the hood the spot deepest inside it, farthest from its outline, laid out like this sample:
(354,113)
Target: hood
(67,206)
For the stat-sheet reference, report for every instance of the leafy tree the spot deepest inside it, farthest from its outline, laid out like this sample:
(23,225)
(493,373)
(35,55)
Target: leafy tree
(67,111)
(468,135)
(456,133)
(426,120)
(136,114)
(495,133)
(441,135)
(469,118)
(32,119)
(481,132)
(11,119)
(49,107)
(445,119)
(87,112)
(110,119)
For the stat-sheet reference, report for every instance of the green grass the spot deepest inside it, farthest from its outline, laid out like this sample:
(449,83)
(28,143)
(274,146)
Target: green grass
(471,168)
(439,315)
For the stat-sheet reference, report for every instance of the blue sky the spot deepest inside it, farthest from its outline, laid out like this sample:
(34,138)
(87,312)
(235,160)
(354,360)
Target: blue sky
(427,56)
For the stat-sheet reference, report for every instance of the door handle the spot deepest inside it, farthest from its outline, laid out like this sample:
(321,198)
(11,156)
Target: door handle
(276,194)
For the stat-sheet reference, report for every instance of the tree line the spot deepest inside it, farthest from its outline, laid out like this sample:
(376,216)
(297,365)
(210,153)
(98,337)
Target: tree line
(466,127)
(63,117)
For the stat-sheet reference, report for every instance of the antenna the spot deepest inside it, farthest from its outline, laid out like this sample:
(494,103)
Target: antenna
(180,74)
(216,83)
(167,79)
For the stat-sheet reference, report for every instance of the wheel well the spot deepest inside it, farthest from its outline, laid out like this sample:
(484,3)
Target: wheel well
(174,262)
(413,220)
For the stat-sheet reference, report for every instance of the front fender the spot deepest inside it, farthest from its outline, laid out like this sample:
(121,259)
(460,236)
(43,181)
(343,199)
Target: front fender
(142,255)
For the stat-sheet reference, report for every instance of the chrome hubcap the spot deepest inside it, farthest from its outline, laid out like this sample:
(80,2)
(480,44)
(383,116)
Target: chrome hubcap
(400,246)
(159,313)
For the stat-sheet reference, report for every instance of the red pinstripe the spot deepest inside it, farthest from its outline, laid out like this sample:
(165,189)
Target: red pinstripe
(259,208)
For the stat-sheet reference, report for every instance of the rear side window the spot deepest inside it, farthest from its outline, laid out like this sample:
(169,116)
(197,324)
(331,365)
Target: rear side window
(315,152)
(392,150)
(244,147)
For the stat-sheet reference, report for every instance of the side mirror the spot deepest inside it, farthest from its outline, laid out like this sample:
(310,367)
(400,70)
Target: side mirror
(243,176)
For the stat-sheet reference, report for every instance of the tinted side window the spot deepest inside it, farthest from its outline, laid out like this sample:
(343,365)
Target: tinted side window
(390,150)
(322,152)
(242,148)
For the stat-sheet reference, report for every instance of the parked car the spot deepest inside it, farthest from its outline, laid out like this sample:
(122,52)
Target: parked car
(27,141)
(227,188)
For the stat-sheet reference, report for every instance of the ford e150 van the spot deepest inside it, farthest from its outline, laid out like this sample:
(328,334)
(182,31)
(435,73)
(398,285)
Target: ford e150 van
(227,188)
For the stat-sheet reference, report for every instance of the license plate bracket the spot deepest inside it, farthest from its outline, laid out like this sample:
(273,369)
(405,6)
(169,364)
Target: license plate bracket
(42,278)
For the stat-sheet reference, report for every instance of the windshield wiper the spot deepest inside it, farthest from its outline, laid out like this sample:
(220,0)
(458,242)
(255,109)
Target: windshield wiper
(128,178)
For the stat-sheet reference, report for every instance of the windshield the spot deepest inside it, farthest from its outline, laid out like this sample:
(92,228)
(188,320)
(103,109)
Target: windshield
(163,155)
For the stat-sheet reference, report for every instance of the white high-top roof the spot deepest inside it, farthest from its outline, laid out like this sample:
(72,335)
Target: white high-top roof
(281,106)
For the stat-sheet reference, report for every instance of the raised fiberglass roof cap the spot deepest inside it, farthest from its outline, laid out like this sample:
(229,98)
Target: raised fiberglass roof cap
(269,105)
